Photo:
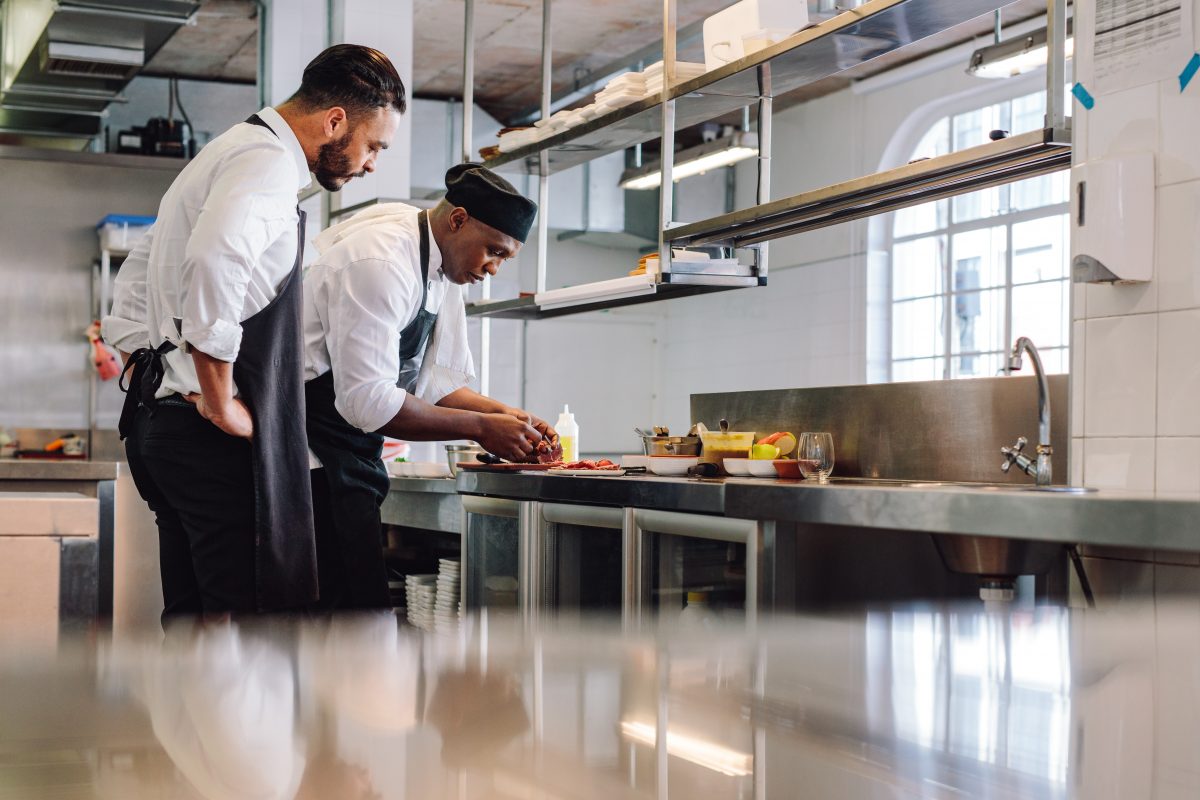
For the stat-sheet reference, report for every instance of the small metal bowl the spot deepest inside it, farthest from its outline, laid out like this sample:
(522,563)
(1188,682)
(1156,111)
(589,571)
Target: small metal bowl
(458,453)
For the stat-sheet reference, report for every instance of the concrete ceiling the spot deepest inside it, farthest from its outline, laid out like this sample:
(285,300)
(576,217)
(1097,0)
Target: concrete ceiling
(221,46)
(588,38)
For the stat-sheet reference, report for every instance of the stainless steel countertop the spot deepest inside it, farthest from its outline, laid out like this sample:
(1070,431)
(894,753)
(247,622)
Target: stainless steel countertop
(436,485)
(35,469)
(1097,518)
(901,701)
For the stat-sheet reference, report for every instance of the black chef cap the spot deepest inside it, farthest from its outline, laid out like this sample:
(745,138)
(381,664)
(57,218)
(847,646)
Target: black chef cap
(490,199)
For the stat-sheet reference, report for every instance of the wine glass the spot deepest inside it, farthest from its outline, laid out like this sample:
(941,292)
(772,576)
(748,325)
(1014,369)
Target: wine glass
(817,450)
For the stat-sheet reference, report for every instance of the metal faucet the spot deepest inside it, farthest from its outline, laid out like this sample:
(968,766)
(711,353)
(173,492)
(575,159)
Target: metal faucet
(1042,470)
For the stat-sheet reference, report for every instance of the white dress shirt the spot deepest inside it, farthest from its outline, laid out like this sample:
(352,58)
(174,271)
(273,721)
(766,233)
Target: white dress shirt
(223,243)
(363,289)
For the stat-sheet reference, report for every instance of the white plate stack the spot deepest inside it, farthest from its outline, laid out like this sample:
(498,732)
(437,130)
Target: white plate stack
(446,608)
(420,595)
(684,71)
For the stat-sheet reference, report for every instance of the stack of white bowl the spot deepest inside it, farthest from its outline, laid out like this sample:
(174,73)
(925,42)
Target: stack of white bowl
(446,607)
(420,595)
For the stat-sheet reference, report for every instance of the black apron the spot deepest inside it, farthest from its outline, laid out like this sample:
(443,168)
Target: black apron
(269,373)
(357,480)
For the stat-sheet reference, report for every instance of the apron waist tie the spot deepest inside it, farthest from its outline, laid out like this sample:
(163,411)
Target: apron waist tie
(145,372)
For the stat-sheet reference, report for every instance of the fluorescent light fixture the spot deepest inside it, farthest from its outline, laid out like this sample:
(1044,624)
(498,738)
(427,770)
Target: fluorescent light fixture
(705,754)
(1016,56)
(599,291)
(695,161)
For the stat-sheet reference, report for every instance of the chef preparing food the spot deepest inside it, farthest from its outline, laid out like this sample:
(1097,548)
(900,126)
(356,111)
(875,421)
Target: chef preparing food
(210,307)
(386,354)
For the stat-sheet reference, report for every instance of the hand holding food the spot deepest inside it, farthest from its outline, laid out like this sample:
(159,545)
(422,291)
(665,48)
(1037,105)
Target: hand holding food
(509,437)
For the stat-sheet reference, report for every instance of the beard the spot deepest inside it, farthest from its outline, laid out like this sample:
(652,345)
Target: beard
(332,169)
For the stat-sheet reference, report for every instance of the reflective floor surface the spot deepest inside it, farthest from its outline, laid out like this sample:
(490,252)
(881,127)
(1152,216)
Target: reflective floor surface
(930,702)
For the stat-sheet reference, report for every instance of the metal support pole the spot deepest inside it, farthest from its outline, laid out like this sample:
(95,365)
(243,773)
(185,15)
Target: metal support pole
(1056,64)
(468,92)
(765,104)
(529,560)
(666,210)
(631,571)
(544,156)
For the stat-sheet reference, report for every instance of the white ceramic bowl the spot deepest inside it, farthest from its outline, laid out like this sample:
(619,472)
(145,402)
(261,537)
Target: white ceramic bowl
(673,466)
(761,468)
(737,467)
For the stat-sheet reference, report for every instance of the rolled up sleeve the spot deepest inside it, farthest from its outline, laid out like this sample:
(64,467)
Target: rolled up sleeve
(251,203)
(369,302)
(125,326)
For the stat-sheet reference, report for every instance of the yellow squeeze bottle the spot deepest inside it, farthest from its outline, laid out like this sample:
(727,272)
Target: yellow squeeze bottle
(568,434)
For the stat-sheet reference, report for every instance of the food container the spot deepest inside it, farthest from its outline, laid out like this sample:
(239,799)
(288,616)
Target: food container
(458,453)
(671,445)
(761,468)
(737,467)
(723,444)
(788,468)
(672,466)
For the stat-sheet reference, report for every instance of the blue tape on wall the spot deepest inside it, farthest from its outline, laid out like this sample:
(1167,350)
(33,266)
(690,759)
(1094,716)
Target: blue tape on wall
(1083,96)
(1189,72)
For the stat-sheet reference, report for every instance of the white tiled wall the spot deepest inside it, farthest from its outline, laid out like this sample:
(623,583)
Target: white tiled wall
(1136,373)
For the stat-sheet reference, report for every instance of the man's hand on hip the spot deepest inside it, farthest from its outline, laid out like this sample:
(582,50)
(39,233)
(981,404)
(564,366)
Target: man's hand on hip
(233,417)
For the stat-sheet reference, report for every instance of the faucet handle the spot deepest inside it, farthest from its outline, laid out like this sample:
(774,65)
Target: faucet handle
(1013,455)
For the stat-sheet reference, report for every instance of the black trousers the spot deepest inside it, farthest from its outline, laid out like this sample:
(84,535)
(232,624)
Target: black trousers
(199,483)
(351,571)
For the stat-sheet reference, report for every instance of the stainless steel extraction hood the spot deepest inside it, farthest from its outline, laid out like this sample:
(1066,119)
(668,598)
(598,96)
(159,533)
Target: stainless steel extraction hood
(63,61)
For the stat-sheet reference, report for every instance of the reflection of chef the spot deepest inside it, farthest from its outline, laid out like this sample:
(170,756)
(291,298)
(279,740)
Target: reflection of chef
(386,353)
(223,707)
(477,715)
(363,670)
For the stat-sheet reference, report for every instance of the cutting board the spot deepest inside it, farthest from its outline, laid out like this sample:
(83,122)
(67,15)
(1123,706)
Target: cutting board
(478,465)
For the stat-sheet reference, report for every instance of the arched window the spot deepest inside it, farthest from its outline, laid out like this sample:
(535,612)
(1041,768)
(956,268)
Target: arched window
(972,273)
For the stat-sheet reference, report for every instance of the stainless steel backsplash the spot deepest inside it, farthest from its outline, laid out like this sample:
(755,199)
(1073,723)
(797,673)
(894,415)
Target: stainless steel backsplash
(930,430)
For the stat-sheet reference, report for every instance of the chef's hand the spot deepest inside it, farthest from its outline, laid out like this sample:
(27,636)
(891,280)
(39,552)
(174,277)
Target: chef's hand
(540,425)
(233,418)
(508,437)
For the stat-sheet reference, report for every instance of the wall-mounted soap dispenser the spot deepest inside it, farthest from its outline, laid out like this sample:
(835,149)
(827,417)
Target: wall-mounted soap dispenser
(1112,220)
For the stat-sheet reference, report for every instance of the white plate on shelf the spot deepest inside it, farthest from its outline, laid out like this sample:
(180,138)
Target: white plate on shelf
(587,473)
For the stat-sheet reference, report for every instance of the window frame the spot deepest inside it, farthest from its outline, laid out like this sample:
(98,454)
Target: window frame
(952,228)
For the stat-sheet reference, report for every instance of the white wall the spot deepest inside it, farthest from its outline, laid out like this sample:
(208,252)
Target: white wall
(1135,375)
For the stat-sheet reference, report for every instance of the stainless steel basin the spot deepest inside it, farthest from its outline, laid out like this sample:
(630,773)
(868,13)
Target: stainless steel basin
(995,557)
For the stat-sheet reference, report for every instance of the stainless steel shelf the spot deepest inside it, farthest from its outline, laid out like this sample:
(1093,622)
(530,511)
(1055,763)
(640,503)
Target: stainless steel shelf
(852,38)
(1017,157)
(524,308)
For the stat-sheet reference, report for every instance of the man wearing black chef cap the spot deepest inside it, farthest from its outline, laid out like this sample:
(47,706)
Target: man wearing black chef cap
(386,354)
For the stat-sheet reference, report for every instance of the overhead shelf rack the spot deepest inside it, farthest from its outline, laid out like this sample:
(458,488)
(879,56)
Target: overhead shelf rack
(1014,158)
(852,38)
(666,287)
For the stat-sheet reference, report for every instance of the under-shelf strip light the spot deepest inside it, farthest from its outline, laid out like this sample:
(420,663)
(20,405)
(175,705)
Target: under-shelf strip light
(1016,56)
(697,160)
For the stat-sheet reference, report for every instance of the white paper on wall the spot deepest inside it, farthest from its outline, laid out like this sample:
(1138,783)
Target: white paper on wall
(1140,41)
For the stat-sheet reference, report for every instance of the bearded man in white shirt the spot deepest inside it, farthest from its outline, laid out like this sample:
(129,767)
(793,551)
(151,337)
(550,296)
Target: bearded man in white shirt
(210,304)
(386,353)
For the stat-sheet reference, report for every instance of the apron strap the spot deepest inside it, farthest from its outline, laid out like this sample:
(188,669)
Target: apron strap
(255,119)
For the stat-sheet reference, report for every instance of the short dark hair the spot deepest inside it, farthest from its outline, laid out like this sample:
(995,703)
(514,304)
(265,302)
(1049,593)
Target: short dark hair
(359,79)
